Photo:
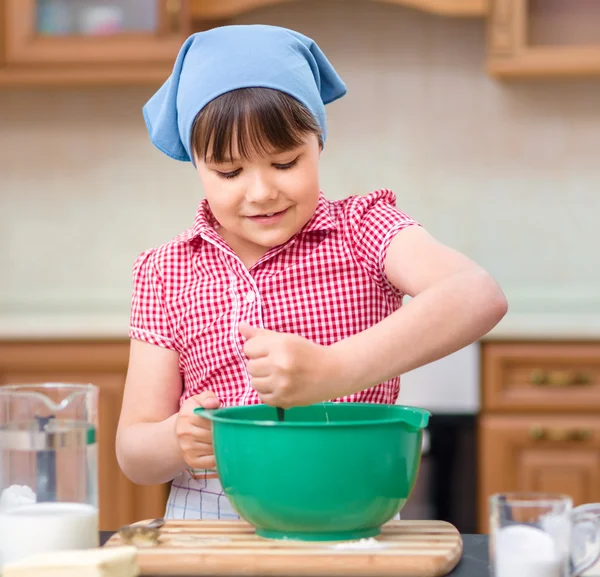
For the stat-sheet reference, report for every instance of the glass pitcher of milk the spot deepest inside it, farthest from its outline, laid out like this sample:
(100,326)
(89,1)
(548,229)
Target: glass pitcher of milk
(48,469)
(541,535)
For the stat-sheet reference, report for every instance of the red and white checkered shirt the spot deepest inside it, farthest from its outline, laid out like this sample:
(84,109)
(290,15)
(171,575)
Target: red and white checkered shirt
(326,283)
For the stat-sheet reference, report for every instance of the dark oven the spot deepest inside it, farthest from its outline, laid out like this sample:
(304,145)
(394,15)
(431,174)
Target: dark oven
(446,487)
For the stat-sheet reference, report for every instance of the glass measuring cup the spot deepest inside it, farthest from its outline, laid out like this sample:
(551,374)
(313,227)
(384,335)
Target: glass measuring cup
(48,468)
(586,541)
(540,535)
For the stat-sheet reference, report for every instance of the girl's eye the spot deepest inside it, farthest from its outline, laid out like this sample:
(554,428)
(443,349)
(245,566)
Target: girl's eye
(231,174)
(286,166)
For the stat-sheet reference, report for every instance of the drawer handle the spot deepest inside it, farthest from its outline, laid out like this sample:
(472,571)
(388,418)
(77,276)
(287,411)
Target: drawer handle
(559,379)
(539,433)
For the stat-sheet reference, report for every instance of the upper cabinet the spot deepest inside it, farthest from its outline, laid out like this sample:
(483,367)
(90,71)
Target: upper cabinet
(90,41)
(79,42)
(534,38)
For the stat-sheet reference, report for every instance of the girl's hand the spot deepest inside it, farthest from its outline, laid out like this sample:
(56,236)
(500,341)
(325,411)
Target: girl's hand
(288,370)
(195,433)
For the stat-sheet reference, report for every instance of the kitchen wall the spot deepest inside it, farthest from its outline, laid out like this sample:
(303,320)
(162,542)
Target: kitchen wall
(507,173)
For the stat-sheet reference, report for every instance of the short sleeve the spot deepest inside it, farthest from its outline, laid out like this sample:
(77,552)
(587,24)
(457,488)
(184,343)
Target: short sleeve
(372,221)
(149,321)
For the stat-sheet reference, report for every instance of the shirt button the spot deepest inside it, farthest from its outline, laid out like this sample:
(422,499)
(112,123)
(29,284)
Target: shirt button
(250,297)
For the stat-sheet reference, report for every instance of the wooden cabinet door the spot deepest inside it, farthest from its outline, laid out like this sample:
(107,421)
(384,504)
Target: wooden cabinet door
(558,454)
(103,364)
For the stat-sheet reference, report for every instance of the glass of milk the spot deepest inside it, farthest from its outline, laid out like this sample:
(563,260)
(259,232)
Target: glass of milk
(541,535)
(48,469)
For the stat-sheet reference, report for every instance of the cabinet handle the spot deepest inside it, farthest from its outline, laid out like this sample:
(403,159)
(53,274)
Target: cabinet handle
(559,379)
(539,433)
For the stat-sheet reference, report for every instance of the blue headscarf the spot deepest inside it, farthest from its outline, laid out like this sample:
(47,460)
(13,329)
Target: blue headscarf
(217,61)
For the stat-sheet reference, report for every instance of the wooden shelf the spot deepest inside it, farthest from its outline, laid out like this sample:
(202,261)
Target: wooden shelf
(208,10)
(64,77)
(547,63)
(460,8)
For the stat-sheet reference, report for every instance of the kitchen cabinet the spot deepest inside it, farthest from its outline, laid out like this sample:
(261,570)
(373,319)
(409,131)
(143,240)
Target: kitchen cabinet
(214,10)
(104,364)
(80,42)
(539,428)
(533,38)
(92,42)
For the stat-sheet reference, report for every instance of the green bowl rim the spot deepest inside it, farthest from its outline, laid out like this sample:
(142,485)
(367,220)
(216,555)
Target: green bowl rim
(415,417)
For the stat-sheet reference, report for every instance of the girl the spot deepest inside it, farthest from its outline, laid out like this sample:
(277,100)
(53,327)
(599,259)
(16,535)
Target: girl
(275,294)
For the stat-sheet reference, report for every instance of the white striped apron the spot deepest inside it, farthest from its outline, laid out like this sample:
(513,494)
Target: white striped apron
(199,495)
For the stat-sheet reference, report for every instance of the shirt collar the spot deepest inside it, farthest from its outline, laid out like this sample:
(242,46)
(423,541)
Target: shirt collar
(205,220)
(321,220)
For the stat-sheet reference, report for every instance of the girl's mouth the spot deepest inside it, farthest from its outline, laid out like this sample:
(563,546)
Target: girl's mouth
(269,218)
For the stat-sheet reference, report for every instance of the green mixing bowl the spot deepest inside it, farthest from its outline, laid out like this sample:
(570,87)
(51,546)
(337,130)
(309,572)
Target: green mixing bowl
(329,472)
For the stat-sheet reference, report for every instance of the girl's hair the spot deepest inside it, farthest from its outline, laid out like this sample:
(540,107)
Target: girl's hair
(261,120)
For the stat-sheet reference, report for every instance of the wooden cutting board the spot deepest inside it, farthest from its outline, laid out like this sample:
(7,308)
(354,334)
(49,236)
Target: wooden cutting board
(231,548)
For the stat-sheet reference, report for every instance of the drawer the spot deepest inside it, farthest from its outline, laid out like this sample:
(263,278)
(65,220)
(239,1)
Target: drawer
(541,376)
(540,453)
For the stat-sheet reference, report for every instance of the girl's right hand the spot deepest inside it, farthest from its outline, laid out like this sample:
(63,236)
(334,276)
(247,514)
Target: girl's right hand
(195,433)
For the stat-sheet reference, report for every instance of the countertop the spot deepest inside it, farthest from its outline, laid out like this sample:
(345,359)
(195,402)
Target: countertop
(98,326)
(546,327)
(474,561)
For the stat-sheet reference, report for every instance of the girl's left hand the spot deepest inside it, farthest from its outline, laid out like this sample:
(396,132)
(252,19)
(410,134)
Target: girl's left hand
(288,370)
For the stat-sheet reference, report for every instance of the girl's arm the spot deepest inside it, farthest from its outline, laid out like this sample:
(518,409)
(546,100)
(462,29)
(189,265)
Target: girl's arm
(455,302)
(148,449)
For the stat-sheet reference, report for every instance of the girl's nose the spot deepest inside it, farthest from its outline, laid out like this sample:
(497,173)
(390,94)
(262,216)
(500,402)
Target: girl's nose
(261,190)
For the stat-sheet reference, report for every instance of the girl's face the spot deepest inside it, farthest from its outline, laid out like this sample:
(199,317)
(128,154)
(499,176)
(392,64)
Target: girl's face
(263,202)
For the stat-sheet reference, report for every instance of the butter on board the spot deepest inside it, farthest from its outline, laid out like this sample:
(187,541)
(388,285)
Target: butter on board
(100,562)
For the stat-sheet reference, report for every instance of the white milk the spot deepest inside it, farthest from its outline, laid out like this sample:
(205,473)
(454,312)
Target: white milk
(42,527)
(520,550)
